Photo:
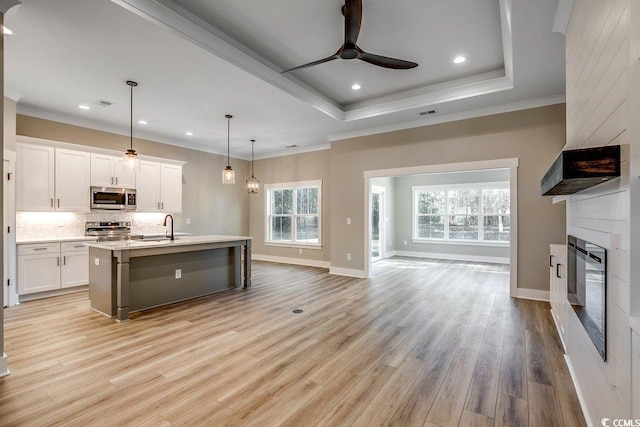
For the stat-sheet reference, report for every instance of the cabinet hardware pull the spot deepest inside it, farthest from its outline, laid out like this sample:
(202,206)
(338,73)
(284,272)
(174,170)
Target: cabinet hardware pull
(550,260)
(64,260)
(58,261)
(163,205)
(39,249)
(58,202)
(116,180)
(558,271)
(111,180)
(51,202)
(158,205)
(78,246)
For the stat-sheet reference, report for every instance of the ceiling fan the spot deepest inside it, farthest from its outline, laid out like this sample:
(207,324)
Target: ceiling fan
(352,11)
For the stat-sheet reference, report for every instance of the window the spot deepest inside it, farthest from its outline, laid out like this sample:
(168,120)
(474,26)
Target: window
(293,213)
(467,212)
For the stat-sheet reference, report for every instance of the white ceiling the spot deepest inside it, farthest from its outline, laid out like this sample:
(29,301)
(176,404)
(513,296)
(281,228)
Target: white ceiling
(197,60)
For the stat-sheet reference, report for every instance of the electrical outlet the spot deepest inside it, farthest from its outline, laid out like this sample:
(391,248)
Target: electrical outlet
(405,243)
(179,273)
(348,257)
(96,261)
(188,221)
(299,251)
(60,223)
(348,221)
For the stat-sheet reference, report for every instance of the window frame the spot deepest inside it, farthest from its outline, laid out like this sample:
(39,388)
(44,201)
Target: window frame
(415,190)
(294,186)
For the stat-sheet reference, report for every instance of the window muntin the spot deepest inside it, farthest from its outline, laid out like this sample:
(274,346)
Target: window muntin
(462,213)
(293,213)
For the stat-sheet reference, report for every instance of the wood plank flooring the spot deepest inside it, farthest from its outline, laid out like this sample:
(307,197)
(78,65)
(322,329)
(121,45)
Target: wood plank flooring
(424,342)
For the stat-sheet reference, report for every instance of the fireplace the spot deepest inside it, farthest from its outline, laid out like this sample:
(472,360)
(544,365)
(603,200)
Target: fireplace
(587,289)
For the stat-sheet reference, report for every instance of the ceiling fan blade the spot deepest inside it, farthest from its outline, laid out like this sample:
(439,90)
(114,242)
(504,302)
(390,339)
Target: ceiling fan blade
(311,64)
(352,12)
(384,61)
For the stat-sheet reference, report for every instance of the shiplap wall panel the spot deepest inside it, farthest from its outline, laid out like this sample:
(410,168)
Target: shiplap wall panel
(598,55)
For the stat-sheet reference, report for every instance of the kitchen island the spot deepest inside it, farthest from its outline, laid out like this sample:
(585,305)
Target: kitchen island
(134,275)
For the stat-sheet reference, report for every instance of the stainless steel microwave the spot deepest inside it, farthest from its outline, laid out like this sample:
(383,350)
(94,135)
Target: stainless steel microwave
(110,198)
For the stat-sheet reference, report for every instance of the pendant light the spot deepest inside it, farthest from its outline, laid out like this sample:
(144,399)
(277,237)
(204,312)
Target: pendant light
(228,174)
(253,183)
(130,158)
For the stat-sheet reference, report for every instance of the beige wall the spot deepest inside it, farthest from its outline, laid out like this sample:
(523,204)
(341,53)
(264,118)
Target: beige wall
(300,167)
(9,124)
(534,136)
(212,207)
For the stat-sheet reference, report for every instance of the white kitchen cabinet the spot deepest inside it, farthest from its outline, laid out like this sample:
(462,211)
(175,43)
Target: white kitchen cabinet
(51,179)
(35,179)
(73,178)
(109,171)
(50,266)
(558,287)
(159,187)
(635,372)
(74,270)
(38,268)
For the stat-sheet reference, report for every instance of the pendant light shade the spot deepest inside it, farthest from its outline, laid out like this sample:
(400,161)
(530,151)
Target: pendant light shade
(228,174)
(253,183)
(130,157)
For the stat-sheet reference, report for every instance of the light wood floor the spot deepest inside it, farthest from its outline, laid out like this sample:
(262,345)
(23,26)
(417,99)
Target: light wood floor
(433,343)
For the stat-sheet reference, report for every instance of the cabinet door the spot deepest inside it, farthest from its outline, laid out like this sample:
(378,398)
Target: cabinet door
(73,179)
(75,269)
(124,178)
(38,273)
(35,188)
(148,187)
(171,188)
(102,170)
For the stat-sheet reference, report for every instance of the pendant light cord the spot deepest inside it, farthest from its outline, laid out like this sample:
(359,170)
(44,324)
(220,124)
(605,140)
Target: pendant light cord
(228,131)
(131,120)
(252,142)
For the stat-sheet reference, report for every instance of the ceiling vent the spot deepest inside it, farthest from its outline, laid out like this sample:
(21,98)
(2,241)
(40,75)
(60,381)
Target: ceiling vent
(103,103)
(428,113)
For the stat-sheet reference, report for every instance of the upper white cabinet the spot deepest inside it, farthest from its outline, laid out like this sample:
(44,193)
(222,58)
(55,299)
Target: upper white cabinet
(109,171)
(51,179)
(159,187)
(35,180)
(73,174)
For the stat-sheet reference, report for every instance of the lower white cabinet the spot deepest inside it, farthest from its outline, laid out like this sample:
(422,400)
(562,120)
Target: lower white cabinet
(558,287)
(635,372)
(51,266)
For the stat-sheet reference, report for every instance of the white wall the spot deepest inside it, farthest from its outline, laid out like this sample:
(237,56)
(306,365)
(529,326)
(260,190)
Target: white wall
(598,55)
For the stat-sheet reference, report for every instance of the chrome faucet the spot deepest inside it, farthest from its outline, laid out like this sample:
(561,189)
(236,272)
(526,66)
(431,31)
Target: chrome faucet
(165,224)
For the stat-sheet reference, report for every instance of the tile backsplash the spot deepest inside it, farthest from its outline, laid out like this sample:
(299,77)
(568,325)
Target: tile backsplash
(51,225)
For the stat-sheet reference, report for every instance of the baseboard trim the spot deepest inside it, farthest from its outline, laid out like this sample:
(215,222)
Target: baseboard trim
(4,368)
(454,257)
(532,294)
(294,261)
(358,274)
(47,294)
(591,422)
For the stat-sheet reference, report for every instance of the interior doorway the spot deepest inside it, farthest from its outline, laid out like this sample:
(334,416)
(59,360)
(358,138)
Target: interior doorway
(9,294)
(377,229)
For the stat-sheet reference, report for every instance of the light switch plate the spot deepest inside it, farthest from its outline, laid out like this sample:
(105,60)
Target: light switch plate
(96,261)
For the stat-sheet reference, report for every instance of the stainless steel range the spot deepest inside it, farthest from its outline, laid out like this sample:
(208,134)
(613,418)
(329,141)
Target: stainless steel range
(110,230)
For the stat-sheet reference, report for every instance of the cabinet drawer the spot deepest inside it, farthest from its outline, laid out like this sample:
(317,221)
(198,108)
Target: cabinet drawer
(79,246)
(39,249)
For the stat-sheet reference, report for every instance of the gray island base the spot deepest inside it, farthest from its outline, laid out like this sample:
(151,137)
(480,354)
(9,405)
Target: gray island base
(130,276)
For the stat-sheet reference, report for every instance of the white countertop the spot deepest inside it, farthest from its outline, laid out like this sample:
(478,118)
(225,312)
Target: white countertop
(56,240)
(180,241)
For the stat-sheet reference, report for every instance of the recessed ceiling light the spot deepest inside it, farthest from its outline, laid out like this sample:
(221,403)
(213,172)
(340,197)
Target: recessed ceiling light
(84,107)
(188,133)
(356,86)
(6,31)
(459,59)
(143,122)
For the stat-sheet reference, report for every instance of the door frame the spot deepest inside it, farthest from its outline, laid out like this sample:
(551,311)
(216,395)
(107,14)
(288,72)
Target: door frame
(10,293)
